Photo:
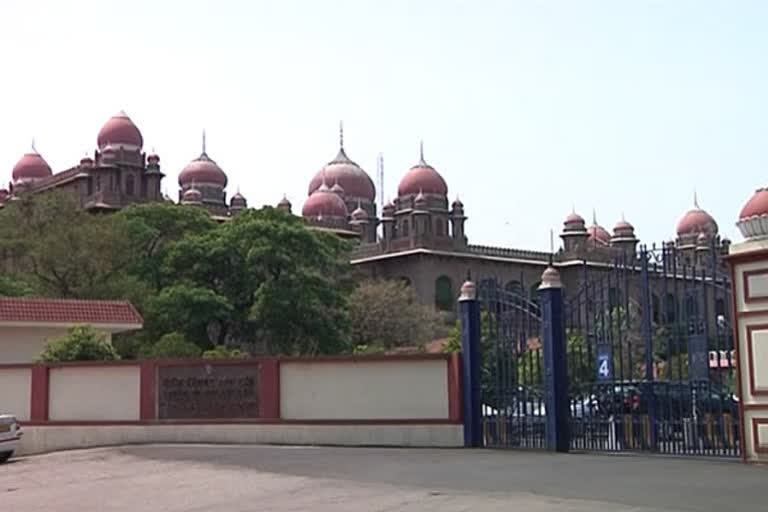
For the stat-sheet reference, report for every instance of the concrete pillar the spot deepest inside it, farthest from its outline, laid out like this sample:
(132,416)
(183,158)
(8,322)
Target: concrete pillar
(471,360)
(749,275)
(555,361)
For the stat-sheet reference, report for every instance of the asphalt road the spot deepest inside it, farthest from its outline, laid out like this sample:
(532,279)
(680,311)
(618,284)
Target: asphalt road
(175,478)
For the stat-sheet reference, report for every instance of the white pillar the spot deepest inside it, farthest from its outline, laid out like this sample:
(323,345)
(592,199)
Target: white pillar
(749,272)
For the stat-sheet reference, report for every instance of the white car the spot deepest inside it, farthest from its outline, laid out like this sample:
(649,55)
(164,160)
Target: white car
(10,435)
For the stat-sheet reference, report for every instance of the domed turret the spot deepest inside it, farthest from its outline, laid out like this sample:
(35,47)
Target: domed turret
(30,168)
(597,233)
(203,170)
(574,223)
(324,204)
(388,210)
(359,214)
(86,162)
(696,221)
(347,174)
(574,232)
(753,219)
(120,131)
(285,204)
(238,202)
(422,177)
(192,196)
(623,229)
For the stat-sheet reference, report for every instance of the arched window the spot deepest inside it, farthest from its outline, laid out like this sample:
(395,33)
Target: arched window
(444,298)
(129,185)
(655,309)
(406,230)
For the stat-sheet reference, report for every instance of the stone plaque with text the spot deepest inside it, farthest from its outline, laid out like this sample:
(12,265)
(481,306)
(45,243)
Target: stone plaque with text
(208,391)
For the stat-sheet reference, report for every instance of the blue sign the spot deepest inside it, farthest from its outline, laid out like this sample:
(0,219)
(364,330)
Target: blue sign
(604,362)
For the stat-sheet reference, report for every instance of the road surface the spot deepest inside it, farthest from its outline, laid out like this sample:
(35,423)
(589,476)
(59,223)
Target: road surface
(191,478)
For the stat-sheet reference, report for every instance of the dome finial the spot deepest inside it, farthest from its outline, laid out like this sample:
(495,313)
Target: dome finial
(421,152)
(341,135)
(695,198)
(594,217)
(203,140)
(34,149)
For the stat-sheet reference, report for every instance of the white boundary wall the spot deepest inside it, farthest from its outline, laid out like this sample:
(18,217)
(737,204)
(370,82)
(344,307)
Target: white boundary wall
(51,438)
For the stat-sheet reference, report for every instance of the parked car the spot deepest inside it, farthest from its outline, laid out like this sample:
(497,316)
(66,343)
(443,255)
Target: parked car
(10,435)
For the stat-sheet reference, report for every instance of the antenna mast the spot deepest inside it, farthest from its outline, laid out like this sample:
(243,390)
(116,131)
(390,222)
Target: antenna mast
(380,179)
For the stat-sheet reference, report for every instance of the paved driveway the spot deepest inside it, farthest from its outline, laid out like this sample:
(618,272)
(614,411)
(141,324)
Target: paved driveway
(251,478)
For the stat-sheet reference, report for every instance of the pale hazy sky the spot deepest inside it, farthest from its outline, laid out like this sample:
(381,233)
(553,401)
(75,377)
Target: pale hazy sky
(525,107)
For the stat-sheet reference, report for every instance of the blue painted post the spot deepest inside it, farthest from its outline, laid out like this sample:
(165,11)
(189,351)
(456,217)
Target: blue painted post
(555,361)
(471,365)
(649,387)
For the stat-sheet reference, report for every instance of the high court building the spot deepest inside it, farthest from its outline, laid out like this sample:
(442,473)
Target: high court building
(421,237)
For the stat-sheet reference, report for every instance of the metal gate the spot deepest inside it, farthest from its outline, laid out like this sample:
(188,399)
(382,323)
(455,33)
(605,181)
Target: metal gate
(513,412)
(649,347)
(650,365)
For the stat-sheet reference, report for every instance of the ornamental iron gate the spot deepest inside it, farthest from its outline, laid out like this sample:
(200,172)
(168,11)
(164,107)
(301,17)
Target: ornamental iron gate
(511,384)
(650,365)
(639,337)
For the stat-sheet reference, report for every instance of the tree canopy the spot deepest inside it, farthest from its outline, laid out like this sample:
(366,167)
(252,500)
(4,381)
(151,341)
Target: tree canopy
(263,282)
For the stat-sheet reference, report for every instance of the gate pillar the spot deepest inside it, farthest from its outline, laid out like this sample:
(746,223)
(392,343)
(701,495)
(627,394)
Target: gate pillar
(555,361)
(471,365)
(749,270)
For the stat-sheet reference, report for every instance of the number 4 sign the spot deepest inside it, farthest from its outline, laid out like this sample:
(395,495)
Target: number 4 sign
(604,363)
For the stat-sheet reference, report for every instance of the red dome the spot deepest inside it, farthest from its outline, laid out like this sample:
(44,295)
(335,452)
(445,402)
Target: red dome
(324,203)
(202,170)
(359,213)
(423,178)
(756,206)
(599,233)
(697,221)
(348,175)
(120,131)
(573,218)
(31,167)
(623,225)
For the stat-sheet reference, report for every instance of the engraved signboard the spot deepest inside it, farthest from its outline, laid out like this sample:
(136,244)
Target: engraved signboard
(208,391)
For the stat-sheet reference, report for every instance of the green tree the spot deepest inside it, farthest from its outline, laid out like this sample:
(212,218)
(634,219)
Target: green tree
(71,253)
(82,343)
(151,228)
(171,345)
(387,314)
(286,284)
(188,309)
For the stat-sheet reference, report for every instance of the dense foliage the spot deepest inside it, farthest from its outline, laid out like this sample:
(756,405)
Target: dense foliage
(262,283)
(82,343)
(387,314)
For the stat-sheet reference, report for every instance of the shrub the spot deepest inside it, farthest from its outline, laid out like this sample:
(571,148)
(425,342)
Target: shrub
(82,343)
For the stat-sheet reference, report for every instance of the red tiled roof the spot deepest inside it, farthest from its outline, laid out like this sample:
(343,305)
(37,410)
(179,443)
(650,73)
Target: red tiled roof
(68,311)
